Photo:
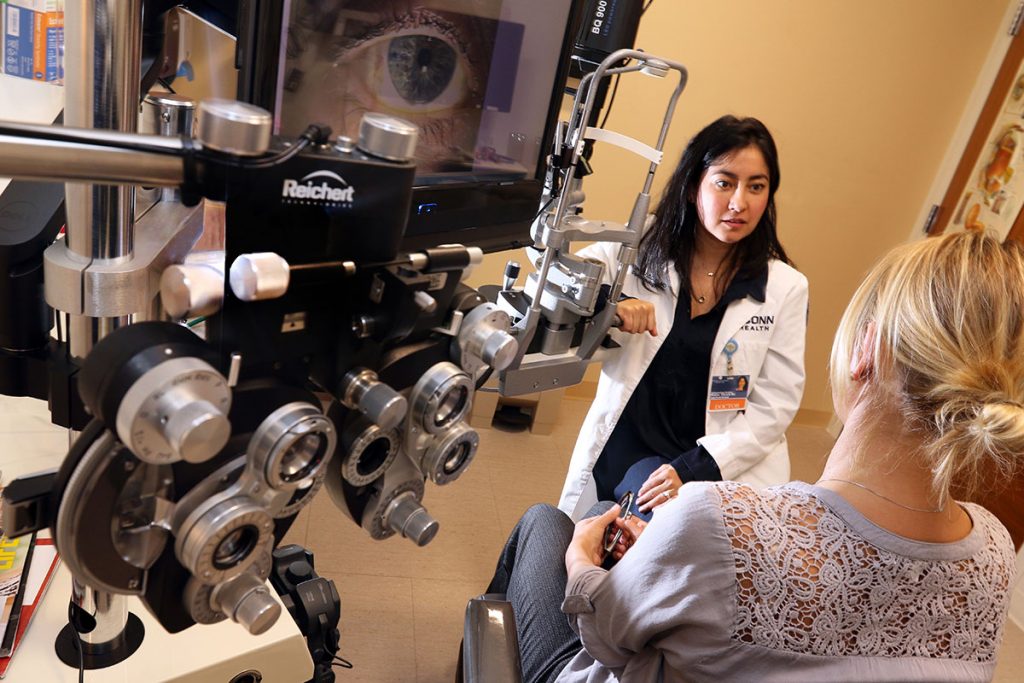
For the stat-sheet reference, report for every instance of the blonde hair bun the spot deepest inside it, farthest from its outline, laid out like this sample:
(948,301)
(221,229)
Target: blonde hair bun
(948,347)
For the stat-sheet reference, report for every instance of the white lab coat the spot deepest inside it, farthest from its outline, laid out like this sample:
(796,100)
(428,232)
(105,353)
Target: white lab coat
(748,446)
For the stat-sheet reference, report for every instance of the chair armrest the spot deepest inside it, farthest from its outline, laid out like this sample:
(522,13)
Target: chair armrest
(490,643)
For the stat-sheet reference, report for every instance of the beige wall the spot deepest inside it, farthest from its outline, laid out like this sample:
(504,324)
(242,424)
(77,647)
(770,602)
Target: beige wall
(862,97)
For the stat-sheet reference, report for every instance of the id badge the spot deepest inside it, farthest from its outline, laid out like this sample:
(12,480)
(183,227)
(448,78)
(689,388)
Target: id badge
(728,392)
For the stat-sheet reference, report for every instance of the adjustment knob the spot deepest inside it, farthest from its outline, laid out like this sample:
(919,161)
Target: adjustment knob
(177,410)
(484,336)
(197,431)
(410,519)
(247,601)
(387,137)
(234,127)
(257,611)
(256,277)
(193,289)
(498,349)
(362,391)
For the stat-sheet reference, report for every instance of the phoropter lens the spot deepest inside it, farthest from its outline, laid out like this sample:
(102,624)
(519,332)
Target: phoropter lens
(456,457)
(374,456)
(292,444)
(441,398)
(235,547)
(302,457)
(451,406)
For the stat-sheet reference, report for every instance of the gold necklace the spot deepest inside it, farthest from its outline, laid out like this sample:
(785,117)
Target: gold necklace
(710,274)
(886,498)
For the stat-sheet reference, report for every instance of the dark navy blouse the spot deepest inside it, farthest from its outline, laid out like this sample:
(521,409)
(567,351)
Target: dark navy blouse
(666,413)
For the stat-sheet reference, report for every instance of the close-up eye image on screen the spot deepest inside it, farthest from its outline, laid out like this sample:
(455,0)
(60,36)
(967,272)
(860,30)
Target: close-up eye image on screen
(450,68)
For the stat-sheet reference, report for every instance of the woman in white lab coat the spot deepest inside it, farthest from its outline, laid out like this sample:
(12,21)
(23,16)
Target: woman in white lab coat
(711,368)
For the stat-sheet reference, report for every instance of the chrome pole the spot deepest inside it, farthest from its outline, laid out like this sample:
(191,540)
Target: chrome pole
(103,48)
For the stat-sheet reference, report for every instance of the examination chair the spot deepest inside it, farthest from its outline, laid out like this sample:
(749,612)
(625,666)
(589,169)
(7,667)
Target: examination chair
(490,646)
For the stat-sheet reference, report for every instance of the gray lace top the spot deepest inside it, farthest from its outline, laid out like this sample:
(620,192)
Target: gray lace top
(790,584)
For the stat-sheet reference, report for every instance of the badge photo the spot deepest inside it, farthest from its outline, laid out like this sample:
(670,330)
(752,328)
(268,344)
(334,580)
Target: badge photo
(728,392)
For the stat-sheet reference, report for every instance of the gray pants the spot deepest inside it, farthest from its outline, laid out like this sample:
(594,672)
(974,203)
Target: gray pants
(531,573)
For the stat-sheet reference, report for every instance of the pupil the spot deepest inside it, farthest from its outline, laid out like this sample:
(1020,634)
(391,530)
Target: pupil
(421,67)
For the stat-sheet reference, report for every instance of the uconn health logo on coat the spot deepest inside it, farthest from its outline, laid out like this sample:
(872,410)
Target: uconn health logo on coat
(324,188)
(759,323)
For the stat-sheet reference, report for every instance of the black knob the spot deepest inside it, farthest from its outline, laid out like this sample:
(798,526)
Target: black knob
(299,571)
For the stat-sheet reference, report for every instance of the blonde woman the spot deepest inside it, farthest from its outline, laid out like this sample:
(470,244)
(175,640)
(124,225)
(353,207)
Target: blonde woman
(874,573)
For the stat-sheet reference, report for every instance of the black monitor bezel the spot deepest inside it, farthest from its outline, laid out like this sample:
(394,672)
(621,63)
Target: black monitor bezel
(494,216)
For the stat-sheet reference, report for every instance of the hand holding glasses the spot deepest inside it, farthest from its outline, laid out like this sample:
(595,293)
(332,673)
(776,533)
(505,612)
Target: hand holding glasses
(614,534)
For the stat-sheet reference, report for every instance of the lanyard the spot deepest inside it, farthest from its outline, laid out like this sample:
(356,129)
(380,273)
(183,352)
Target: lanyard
(730,348)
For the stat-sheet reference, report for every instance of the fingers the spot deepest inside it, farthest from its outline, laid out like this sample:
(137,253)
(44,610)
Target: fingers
(604,519)
(656,478)
(632,528)
(589,539)
(651,324)
(656,498)
(660,487)
(610,515)
(637,317)
(594,527)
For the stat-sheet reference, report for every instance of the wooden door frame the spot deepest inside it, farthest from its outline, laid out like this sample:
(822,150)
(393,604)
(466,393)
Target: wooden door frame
(1005,77)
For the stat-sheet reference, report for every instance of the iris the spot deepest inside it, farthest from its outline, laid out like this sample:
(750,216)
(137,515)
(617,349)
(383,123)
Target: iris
(421,67)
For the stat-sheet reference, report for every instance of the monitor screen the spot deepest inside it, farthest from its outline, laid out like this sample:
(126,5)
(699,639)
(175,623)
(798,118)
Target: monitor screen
(482,79)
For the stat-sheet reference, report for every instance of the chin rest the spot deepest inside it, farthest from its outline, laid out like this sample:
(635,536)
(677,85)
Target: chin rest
(490,646)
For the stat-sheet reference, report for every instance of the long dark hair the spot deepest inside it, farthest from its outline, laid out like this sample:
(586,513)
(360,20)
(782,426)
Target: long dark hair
(672,237)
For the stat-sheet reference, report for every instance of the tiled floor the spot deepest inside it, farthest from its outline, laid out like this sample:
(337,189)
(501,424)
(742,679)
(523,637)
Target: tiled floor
(402,606)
